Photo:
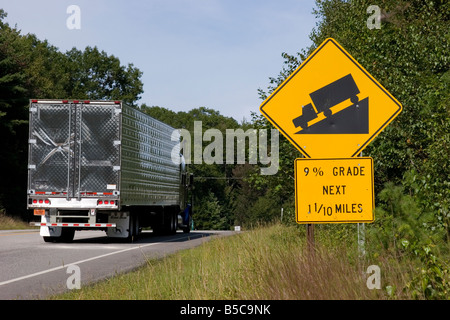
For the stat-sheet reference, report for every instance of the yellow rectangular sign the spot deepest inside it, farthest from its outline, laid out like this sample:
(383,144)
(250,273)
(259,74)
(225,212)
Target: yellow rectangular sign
(334,190)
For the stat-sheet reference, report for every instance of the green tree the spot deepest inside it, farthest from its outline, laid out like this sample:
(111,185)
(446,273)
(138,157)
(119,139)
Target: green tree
(45,69)
(214,219)
(95,75)
(13,112)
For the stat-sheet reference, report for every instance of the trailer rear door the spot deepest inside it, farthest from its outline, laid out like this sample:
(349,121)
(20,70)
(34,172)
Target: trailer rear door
(74,149)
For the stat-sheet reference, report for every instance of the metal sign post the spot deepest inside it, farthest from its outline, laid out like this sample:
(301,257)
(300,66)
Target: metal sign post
(310,239)
(361,234)
(361,239)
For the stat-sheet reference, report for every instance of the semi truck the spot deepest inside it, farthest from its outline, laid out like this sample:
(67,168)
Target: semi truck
(104,165)
(327,97)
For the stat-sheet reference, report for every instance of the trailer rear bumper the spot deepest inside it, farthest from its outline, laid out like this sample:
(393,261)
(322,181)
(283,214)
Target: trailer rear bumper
(80,225)
(117,226)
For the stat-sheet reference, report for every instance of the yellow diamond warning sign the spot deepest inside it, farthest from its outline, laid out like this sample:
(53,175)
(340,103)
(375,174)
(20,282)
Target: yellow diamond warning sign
(334,190)
(330,106)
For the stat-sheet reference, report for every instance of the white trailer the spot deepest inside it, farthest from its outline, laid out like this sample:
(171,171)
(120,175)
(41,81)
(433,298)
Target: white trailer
(104,165)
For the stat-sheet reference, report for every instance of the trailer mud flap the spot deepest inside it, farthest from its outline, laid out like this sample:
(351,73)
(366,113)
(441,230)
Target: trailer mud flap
(49,231)
(122,222)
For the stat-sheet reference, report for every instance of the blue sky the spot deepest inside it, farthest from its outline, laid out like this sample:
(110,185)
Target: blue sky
(193,53)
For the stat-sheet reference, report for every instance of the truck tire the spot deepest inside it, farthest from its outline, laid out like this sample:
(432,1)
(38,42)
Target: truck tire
(188,228)
(67,235)
(49,239)
(172,223)
(133,230)
(327,113)
(175,222)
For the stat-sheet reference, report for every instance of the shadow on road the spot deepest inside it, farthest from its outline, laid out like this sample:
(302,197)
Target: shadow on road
(146,237)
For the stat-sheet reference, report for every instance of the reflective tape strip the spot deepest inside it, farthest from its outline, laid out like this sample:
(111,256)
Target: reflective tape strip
(96,193)
(62,224)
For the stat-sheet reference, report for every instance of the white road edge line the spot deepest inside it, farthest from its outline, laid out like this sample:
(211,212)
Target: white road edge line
(85,260)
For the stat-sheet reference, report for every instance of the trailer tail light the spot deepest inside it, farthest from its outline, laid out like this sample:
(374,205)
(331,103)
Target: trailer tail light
(106,202)
(40,201)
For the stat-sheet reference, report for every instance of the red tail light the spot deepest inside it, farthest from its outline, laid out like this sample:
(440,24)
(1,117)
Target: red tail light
(40,201)
(106,202)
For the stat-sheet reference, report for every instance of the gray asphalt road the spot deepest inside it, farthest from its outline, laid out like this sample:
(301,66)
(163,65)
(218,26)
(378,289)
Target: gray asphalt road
(33,269)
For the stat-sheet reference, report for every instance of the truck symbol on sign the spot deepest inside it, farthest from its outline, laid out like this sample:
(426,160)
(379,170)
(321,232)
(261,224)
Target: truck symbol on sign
(327,97)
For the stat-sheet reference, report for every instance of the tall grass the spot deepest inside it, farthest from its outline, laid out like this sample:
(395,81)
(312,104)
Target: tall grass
(9,223)
(266,263)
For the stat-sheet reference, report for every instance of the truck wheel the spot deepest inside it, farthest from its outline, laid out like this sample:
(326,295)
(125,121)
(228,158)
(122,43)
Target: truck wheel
(67,235)
(136,225)
(133,230)
(187,229)
(171,221)
(304,125)
(175,222)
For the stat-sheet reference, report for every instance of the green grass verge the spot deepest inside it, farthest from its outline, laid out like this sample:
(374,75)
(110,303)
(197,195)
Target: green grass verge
(9,223)
(266,263)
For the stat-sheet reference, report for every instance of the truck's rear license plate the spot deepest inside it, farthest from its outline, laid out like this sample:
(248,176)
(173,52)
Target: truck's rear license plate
(39,212)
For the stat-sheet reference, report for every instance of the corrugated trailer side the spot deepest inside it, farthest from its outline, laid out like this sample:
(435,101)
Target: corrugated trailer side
(148,174)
